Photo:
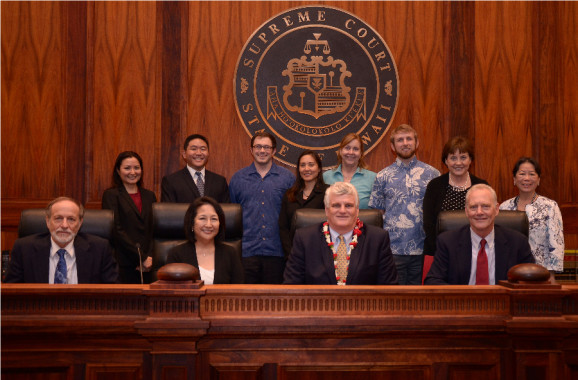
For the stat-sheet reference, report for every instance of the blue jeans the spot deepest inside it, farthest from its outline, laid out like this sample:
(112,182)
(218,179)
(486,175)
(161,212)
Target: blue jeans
(409,269)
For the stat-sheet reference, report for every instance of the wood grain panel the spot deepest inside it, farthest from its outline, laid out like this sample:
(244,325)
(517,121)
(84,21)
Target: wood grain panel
(503,110)
(34,138)
(126,102)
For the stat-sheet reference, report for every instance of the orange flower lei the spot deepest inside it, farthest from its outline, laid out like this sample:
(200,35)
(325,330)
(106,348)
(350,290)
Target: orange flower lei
(331,245)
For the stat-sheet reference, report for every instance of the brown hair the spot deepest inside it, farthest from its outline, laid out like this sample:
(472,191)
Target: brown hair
(346,140)
(458,143)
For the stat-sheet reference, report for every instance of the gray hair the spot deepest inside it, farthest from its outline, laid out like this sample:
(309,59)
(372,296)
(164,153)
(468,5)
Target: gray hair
(341,188)
(60,199)
(481,186)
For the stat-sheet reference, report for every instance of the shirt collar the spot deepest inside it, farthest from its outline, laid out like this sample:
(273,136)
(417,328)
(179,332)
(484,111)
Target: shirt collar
(193,171)
(273,170)
(334,234)
(476,239)
(55,247)
(411,164)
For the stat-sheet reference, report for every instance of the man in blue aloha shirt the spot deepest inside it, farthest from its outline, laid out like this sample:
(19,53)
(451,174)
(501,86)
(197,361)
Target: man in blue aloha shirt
(398,192)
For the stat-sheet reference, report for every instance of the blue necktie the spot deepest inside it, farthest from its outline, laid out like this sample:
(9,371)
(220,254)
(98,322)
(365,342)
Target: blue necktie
(60,274)
(200,183)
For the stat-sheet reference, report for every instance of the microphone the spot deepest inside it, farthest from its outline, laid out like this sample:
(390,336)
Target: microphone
(140,261)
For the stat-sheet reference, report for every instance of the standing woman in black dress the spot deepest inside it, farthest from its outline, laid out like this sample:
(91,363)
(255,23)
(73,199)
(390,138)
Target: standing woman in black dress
(448,191)
(133,218)
(307,192)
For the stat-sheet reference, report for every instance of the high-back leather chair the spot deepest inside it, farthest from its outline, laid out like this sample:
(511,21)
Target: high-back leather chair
(308,216)
(95,222)
(451,220)
(169,231)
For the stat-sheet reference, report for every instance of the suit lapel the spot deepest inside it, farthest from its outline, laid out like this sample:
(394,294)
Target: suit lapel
(83,262)
(327,258)
(465,255)
(355,256)
(500,254)
(42,264)
(190,182)
(126,198)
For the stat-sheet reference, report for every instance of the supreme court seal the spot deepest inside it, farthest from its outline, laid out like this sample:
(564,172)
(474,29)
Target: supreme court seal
(313,74)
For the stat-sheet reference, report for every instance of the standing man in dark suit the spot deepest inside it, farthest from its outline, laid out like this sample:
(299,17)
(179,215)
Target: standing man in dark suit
(62,256)
(481,253)
(341,250)
(194,181)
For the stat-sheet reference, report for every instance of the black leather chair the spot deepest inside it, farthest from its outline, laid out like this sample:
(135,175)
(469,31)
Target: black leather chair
(516,220)
(169,221)
(307,216)
(95,222)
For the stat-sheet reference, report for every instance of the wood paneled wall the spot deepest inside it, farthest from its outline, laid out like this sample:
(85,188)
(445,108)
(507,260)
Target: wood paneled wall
(82,81)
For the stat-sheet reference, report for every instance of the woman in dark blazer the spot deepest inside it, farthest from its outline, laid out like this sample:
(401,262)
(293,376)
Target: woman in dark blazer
(308,191)
(217,262)
(133,218)
(448,191)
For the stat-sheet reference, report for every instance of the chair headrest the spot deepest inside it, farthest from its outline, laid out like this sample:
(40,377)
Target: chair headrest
(169,220)
(95,222)
(513,219)
(307,216)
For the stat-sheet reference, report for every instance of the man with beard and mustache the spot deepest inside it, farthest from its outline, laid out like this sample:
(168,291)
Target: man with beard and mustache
(62,255)
(398,192)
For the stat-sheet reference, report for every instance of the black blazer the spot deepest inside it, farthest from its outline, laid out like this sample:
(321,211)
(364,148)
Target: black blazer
(180,187)
(286,228)
(29,260)
(453,259)
(228,267)
(130,226)
(434,196)
(311,260)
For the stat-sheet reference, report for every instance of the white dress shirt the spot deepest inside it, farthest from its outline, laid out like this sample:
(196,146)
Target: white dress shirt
(70,257)
(490,252)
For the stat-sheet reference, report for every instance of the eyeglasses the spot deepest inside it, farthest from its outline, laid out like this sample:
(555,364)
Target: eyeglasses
(264,147)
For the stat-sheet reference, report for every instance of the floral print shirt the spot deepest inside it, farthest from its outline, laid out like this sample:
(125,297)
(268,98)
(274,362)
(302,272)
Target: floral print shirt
(398,191)
(546,231)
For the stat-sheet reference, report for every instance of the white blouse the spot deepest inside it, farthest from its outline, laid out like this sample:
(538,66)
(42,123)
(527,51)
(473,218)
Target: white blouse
(546,231)
(208,276)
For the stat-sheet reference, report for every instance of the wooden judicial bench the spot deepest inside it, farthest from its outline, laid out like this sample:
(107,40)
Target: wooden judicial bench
(165,331)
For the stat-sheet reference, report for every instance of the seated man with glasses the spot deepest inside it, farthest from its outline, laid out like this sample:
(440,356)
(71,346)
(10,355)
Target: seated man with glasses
(194,181)
(259,189)
(480,253)
(62,255)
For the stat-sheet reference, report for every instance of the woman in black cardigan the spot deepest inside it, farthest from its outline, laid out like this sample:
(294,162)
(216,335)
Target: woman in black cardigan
(133,218)
(308,191)
(448,191)
(217,262)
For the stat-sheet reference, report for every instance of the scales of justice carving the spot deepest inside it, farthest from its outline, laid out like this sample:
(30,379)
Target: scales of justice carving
(317,87)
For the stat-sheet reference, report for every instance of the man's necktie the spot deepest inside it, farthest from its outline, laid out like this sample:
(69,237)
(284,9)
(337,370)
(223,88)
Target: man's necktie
(482,277)
(200,183)
(61,272)
(342,263)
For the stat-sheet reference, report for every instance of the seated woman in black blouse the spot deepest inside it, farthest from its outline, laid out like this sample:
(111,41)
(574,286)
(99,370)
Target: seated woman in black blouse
(217,262)
(307,192)
(448,191)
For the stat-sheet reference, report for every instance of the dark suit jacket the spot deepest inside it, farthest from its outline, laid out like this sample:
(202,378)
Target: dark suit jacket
(286,229)
(130,226)
(180,187)
(453,259)
(435,194)
(228,267)
(311,260)
(29,260)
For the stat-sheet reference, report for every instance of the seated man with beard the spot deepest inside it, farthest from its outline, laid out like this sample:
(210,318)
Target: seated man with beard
(62,256)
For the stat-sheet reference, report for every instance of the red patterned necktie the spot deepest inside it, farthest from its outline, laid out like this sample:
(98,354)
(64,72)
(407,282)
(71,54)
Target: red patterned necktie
(482,277)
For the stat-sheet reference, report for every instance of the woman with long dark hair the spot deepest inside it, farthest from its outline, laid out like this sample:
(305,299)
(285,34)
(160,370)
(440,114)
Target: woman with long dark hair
(133,218)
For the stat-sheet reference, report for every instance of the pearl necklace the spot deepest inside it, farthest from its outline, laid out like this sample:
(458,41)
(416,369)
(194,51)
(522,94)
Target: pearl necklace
(458,187)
